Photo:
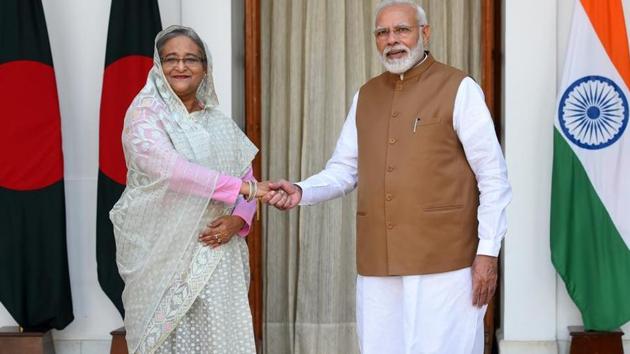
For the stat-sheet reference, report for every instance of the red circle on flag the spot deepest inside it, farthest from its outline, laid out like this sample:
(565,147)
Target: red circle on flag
(122,81)
(30,138)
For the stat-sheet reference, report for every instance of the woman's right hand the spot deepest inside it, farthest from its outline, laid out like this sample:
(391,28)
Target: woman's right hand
(261,190)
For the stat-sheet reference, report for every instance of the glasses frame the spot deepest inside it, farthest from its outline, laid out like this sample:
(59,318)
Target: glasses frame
(384,32)
(196,61)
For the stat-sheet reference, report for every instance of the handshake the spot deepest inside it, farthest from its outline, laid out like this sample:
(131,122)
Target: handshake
(281,194)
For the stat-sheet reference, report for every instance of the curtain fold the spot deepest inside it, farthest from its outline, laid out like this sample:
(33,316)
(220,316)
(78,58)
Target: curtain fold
(315,56)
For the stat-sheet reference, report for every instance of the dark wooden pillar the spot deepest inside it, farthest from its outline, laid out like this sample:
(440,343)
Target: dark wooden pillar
(491,84)
(253,131)
(491,53)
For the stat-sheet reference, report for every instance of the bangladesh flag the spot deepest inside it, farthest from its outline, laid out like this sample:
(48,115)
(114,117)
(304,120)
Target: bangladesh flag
(129,56)
(34,279)
(590,202)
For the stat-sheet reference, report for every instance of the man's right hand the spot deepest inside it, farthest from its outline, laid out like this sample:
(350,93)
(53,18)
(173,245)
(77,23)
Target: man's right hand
(283,195)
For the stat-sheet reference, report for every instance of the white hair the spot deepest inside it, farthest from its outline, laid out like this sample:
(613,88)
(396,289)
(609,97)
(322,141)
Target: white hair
(421,16)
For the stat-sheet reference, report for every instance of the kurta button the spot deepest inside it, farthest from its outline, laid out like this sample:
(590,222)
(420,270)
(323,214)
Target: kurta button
(390,226)
(392,140)
(395,114)
(389,197)
(390,168)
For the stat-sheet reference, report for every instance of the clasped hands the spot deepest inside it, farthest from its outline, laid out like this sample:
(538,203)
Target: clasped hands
(281,194)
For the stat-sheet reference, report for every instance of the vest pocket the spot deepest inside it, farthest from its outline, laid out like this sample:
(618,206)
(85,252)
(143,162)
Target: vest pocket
(422,125)
(422,121)
(443,207)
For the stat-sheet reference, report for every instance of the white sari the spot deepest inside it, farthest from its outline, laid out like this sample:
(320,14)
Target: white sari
(180,296)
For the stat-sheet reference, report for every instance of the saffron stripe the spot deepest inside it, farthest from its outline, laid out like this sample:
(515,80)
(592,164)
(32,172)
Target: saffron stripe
(609,23)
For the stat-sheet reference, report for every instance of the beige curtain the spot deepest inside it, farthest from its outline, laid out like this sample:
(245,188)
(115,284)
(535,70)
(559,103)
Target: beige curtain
(315,55)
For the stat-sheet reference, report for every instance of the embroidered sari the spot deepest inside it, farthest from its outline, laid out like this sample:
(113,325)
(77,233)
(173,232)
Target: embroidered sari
(180,296)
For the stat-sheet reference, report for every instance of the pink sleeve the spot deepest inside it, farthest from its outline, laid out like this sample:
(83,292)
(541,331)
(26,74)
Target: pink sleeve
(245,210)
(226,189)
(151,151)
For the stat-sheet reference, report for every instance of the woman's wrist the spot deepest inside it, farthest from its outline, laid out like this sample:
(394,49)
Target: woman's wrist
(249,189)
(239,219)
(244,190)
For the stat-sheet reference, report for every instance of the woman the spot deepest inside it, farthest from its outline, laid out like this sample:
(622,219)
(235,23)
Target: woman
(186,276)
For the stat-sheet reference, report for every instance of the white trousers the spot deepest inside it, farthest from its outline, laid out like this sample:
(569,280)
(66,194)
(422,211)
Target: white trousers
(419,314)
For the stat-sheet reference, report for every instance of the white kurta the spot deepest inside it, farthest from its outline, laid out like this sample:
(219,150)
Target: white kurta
(435,310)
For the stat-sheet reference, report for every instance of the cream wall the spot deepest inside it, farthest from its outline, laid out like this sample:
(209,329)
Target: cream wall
(536,309)
(78,32)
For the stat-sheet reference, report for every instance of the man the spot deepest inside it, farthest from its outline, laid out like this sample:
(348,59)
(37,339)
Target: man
(432,191)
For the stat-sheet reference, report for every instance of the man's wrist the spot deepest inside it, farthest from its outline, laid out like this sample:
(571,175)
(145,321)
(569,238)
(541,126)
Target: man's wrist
(488,247)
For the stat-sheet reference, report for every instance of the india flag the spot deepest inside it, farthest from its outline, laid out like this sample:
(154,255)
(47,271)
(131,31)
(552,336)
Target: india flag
(590,203)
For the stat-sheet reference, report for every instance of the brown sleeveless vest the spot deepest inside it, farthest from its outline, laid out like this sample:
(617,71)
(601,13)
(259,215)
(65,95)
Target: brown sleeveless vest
(417,195)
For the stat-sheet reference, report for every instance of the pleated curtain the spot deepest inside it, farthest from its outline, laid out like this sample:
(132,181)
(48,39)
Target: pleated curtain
(315,56)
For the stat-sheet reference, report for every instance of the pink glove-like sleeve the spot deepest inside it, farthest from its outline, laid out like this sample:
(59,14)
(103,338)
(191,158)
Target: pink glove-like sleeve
(245,210)
(226,190)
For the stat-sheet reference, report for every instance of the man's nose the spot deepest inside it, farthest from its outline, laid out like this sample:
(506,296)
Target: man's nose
(392,38)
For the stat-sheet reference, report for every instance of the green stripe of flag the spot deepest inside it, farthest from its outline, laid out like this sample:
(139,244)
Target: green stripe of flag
(587,250)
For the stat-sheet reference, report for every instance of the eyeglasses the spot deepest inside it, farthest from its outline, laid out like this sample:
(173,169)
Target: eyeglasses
(400,31)
(189,61)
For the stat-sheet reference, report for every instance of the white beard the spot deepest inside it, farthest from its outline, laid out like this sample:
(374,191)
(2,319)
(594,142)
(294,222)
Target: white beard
(401,65)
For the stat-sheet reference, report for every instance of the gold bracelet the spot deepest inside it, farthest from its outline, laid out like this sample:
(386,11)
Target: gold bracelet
(252,191)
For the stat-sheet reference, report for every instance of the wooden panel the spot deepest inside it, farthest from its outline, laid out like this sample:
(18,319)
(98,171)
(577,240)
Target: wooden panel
(119,343)
(491,58)
(594,342)
(13,341)
(253,131)
(491,85)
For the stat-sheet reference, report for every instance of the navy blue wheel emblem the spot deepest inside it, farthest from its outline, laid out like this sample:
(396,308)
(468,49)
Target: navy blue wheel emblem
(593,112)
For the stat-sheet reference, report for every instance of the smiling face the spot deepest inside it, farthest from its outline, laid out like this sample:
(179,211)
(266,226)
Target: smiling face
(183,66)
(399,39)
